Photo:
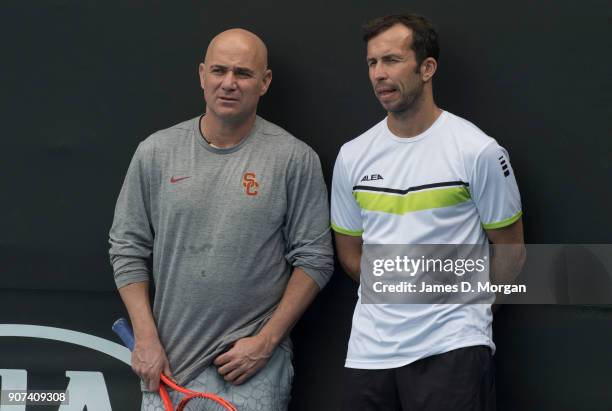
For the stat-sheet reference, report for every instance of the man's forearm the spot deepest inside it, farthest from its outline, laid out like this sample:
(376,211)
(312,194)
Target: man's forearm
(349,250)
(300,292)
(508,254)
(506,265)
(352,268)
(148,357)
(507,262)
(135,296)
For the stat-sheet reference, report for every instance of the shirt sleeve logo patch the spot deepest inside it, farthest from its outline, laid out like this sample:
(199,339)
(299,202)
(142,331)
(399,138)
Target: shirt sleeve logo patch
(250,184)
(502,161)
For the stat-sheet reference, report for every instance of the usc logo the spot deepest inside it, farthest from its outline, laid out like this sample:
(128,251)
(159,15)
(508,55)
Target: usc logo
(250,184)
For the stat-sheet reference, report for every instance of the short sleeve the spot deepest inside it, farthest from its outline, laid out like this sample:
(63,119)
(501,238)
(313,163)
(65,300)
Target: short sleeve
(345,212)
(493,188)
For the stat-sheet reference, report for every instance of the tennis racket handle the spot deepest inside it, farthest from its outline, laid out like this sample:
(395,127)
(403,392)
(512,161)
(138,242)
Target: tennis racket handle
(122,328)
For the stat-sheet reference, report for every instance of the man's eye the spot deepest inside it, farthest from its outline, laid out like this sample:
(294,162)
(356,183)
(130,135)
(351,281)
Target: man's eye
(371,63)
(243,74)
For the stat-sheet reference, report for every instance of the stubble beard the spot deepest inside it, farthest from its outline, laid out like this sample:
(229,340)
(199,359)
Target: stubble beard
(410,102)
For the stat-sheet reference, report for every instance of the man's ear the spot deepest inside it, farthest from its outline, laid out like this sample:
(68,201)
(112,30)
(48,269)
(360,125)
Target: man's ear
(428,68)
(267,79)
(201,72)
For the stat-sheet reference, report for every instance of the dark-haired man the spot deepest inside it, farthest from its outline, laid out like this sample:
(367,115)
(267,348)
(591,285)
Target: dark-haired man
(438,179)
(232,211)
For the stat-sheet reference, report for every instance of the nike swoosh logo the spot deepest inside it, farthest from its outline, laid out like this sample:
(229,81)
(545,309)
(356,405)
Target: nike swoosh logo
(177,179)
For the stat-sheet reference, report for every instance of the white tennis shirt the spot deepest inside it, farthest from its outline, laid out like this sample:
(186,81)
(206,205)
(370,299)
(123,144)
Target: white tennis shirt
(444,186)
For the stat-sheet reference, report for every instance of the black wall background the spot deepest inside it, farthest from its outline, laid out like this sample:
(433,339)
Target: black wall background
(83,82)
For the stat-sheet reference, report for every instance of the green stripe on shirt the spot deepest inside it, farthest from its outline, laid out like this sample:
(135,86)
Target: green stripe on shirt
(345,231)
(503,223)
(413,201)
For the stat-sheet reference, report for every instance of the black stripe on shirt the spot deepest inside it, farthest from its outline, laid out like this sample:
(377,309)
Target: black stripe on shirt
(417,188)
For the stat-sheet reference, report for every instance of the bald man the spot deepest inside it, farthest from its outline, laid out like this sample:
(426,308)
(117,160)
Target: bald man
(232,210)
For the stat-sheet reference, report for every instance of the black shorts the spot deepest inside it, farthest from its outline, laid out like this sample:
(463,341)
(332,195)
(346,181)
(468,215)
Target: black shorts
(458,380)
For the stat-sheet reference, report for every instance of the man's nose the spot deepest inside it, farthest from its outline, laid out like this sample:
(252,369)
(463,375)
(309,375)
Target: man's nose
(379,71)
(229,81)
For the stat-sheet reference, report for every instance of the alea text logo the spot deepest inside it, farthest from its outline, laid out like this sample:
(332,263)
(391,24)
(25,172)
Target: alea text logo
(371,177)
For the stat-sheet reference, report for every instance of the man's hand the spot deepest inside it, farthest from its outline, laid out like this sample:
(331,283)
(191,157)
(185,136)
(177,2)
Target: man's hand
(249,355)
(246,357)
(149,360)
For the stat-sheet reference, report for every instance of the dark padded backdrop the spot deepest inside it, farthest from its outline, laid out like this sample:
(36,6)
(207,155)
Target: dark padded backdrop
(83,82)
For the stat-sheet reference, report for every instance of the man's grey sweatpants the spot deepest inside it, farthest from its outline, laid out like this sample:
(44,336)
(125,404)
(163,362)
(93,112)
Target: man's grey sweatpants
(268,390)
